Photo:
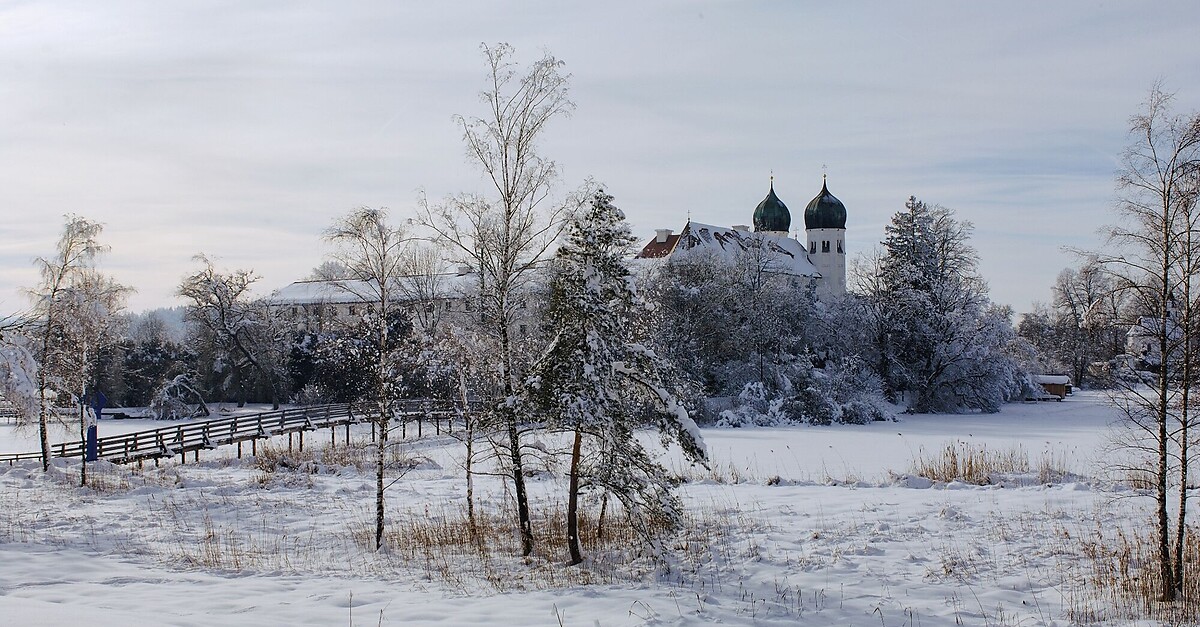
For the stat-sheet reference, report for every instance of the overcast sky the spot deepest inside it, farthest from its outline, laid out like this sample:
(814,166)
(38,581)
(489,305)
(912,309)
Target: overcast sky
(242,129)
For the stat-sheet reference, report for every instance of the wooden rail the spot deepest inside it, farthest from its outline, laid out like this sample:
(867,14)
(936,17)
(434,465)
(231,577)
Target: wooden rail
(209,434)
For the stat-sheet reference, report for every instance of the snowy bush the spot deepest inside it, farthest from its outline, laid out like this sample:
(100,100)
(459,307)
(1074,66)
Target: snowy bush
(18,377)
(861,412)
(845,392)
(178,398)
(313,394)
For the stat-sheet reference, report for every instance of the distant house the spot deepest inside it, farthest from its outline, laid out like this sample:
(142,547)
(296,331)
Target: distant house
(428,300)
(1142,341)
(1054,387)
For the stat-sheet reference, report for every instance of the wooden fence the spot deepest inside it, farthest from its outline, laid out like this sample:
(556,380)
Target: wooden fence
(194,437)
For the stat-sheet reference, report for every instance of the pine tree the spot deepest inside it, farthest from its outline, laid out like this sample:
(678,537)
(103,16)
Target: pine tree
(940,338)
(590,380)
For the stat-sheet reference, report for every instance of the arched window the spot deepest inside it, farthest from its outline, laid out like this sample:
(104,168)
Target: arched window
(840,251)
(825,246)
(812,247)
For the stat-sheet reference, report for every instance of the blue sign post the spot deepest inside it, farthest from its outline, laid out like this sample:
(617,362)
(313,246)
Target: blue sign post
(98,402)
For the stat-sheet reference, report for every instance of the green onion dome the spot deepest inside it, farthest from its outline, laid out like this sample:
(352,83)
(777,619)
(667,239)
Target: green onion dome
(824,212)
(771,214)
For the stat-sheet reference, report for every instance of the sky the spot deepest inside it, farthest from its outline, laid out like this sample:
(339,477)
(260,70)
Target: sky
(243,129)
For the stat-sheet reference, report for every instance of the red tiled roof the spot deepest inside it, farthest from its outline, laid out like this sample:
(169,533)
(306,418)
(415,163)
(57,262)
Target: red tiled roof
(655,249)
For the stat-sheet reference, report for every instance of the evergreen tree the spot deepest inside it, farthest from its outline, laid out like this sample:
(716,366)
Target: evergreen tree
(596,374)
(939,337)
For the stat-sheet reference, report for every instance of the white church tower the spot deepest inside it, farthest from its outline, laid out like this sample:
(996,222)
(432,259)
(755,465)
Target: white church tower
(825,225)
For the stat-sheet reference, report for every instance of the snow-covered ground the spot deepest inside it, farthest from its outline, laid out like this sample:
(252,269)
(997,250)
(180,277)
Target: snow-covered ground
(807,525)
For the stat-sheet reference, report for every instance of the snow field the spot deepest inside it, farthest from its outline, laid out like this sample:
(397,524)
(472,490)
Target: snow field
(800,525)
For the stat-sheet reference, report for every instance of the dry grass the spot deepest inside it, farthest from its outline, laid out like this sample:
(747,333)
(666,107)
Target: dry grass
(978,465)
(1123,582)
(272,458)
(1139,479)
(448,548)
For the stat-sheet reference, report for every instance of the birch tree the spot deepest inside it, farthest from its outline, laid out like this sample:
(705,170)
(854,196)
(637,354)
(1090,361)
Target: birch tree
(76,252)
(1156,264)
(374,255)
(506,234)
(89,305)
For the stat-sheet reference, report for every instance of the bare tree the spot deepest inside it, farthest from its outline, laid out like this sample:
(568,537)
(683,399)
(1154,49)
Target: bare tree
(75,253)
(244,329)
(374,254)
(1157,261)
(90,306)
(507,236)
(423,287)
(1086,309)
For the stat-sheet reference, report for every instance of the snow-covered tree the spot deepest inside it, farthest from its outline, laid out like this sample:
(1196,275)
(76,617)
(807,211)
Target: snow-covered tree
(374,253)
(1156,261)
(938,338)
(597,372)
(504,237)
(89,307)
(178,398)
(1081,326)
(18,372)
(150,356)
(730,322)
(50,321)
(245,334)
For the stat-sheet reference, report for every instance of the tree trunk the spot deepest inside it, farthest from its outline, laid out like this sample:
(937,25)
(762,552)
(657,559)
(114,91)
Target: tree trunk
(83,429)
(1166,573)
(603,512)
(573,502)
(1181,519)
(379,466)
(514,436)
(518,471)
(469,437)
(43,420)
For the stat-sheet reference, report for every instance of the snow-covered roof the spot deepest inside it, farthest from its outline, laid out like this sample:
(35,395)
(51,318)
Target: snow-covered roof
(1051,379)
(309,292)
(785,255)
(448,285)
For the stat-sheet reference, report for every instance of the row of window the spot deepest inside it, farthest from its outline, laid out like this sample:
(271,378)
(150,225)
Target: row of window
(812,247)
(351,310)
